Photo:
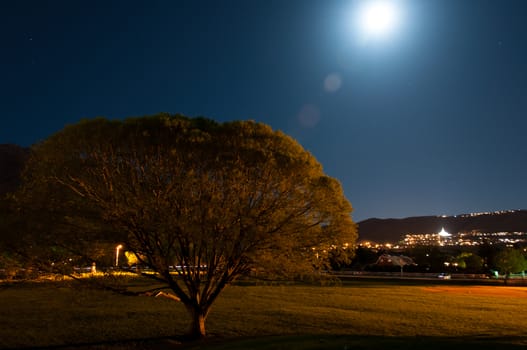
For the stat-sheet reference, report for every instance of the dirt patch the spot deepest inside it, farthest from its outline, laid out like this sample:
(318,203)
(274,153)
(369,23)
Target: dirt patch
(498,291)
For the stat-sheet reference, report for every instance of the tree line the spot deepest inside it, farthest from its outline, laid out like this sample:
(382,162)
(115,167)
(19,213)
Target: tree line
(487,259)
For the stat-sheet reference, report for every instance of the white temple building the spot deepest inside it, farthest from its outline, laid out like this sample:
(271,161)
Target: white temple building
(443,233)
(443,236)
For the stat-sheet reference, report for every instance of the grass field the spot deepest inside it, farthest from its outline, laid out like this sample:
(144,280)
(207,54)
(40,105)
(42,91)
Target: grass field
(357,315)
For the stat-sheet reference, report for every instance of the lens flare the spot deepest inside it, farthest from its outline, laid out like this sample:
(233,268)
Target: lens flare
(333,82)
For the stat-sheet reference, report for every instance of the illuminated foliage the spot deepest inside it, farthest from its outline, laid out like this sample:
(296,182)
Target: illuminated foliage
(215,200)
(510,261)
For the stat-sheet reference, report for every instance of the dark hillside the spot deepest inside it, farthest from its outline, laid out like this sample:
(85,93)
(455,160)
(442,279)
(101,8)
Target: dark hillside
(392,230)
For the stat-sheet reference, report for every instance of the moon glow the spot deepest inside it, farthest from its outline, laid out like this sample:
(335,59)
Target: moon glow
(378,18)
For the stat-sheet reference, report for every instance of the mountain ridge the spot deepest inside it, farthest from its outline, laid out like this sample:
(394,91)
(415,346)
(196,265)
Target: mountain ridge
(392,230)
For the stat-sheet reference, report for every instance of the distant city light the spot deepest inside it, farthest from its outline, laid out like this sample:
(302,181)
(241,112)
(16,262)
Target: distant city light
(472,238)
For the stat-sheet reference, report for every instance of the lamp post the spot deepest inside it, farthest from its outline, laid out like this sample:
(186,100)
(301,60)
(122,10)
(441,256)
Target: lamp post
(117,249)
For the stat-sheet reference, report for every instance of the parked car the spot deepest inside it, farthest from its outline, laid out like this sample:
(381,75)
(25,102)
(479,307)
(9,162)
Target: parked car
(444,276)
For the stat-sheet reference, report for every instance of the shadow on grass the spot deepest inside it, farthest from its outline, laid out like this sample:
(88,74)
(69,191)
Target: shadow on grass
(347,342)
(313,342)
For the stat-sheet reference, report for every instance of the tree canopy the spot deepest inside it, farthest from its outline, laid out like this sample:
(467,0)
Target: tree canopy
(217,200)
(509,261)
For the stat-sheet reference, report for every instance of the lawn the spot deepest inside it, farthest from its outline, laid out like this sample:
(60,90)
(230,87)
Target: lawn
(356,315)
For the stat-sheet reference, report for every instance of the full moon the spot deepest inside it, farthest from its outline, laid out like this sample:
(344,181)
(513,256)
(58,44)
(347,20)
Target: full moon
(378,18)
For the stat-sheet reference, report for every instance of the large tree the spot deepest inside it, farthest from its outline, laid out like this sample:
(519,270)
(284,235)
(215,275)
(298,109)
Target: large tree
(217,200)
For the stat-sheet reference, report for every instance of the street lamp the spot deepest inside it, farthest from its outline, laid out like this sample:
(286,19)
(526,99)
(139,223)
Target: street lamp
(117,254)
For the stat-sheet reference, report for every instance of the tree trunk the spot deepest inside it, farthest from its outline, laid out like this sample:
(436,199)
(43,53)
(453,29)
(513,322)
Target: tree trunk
(197,324)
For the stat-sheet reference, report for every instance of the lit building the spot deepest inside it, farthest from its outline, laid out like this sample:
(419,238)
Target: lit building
(394,260)
(472,238)
(444,238)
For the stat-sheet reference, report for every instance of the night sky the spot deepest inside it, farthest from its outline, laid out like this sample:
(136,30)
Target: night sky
(428,119)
